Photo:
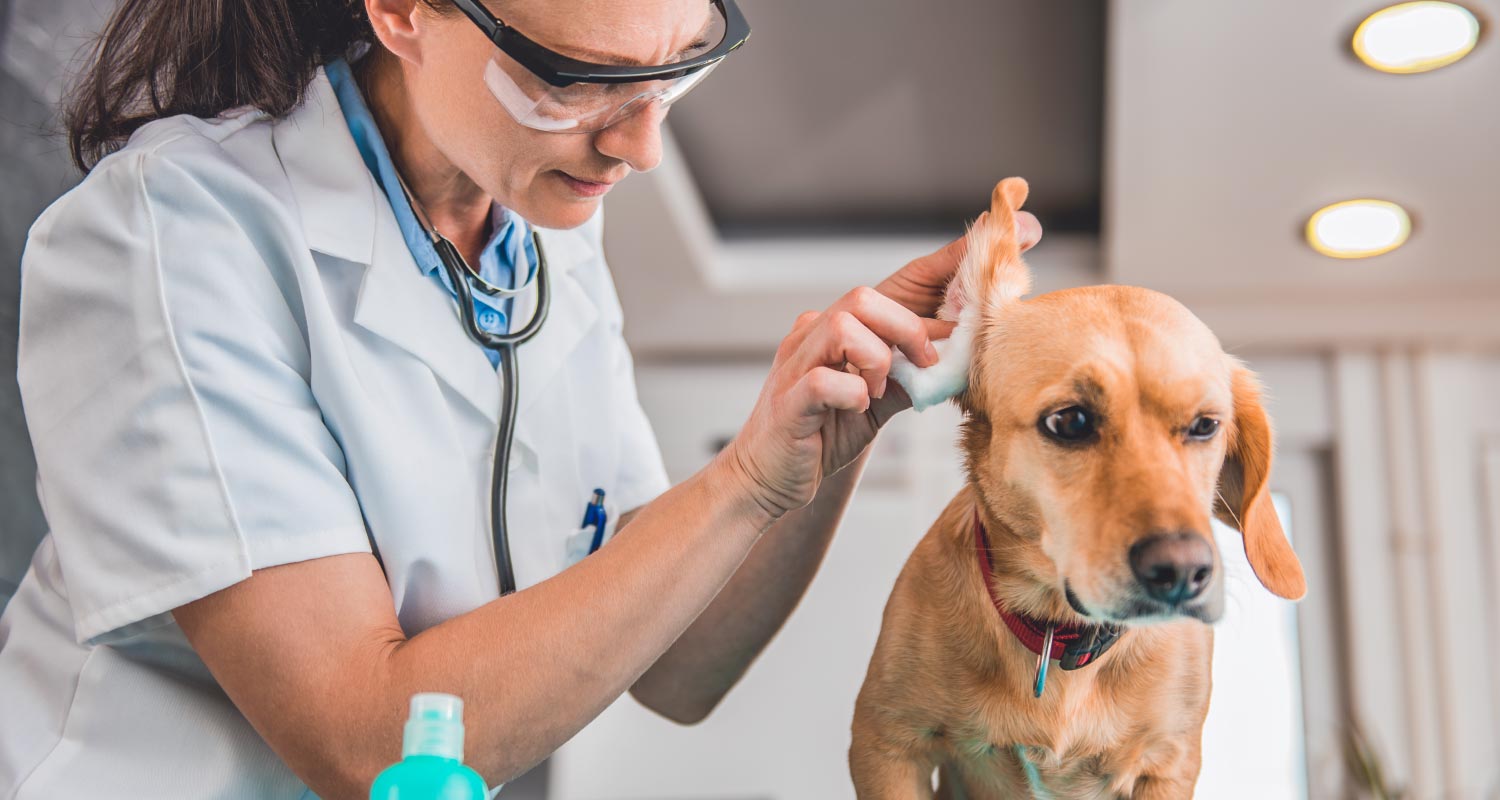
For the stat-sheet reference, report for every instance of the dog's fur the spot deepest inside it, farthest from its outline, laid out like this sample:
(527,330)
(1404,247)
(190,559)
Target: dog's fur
(949,687)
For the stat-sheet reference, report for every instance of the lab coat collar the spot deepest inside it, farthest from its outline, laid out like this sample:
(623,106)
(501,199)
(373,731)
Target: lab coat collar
(335,194)
(344,215)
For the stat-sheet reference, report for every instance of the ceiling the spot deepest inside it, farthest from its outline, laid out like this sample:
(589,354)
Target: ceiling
(1222,127)
(882,115)
(1231,123)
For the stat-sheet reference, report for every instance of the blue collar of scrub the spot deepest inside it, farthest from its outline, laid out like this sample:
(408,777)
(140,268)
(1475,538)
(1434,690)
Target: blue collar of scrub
(508,245)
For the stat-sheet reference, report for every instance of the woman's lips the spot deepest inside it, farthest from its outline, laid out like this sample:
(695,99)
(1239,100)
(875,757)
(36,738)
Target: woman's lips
(585,188)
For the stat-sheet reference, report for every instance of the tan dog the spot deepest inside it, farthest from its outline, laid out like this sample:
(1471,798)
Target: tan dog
(1102,428)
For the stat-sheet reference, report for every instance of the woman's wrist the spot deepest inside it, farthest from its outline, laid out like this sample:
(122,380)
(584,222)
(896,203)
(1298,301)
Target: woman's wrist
(733,488)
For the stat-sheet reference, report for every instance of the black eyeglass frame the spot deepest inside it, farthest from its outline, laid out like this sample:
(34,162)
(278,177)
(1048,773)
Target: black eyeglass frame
(560,70)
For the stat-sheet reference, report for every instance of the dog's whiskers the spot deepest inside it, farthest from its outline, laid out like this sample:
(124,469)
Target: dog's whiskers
(1230,509)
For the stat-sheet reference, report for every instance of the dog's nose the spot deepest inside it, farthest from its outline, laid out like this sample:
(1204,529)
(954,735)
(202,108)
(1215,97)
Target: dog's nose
(1173,567)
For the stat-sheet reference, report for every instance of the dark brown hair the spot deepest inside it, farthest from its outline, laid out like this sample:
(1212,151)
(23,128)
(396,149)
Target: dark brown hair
(160,58)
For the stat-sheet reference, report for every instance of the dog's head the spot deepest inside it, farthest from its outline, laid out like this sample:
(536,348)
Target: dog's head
(1103,427)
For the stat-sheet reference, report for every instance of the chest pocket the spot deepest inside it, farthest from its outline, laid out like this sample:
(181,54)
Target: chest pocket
(572,433)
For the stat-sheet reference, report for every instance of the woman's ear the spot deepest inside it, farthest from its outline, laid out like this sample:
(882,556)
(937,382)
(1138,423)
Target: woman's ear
(395,24)
(1244,499)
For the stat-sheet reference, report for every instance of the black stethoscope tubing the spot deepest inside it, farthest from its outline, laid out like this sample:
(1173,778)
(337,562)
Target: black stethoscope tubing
(459,273)
(506,344)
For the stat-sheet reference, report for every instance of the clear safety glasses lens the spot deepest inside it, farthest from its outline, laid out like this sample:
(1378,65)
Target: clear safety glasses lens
(578,107)
(591,105)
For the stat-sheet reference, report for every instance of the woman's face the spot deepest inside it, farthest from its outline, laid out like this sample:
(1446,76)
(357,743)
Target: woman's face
(554,180)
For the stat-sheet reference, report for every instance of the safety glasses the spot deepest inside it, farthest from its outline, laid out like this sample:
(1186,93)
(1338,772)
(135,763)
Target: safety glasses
(548,91)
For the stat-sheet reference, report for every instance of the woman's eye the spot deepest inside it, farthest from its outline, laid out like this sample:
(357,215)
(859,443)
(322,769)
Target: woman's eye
(1072,424)
(1203,428)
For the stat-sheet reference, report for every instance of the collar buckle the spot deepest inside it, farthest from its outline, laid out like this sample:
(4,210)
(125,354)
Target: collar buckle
(1092,643)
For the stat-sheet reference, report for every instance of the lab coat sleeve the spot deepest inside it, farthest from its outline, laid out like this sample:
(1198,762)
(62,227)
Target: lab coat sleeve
(165,377)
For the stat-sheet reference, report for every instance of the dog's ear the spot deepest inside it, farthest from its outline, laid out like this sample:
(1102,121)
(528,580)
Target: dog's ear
(1244,499)
(992,273)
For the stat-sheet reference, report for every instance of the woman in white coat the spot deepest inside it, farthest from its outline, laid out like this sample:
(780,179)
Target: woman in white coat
(264,435)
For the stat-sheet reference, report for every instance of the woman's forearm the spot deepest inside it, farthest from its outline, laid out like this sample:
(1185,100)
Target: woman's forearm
(537,666)
(328,690)
(713,654)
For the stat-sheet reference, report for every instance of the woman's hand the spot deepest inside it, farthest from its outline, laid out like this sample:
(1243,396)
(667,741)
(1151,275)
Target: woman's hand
(828,394)
(826,397)
(919,285)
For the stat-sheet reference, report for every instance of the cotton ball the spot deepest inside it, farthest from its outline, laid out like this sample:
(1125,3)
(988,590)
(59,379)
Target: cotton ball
(929,386)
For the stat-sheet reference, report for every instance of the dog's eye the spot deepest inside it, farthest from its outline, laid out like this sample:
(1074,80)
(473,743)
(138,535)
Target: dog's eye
(1072,424)
(1203,428)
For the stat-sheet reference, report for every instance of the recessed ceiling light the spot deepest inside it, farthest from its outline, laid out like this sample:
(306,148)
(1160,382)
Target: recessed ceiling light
(1358,228)
(1416,37)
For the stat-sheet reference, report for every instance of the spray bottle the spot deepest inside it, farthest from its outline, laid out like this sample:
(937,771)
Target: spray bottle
(432,754)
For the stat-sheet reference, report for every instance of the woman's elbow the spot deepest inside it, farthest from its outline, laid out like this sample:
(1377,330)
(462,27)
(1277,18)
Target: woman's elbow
(675,706)
(342,776)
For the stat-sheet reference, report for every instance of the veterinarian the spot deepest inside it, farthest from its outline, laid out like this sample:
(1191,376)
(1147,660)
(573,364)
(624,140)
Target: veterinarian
(256,367)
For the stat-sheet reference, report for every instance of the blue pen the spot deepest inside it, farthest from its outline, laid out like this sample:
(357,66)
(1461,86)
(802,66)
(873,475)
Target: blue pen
(594,515)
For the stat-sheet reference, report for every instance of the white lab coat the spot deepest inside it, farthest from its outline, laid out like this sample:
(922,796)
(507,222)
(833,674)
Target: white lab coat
(229,361)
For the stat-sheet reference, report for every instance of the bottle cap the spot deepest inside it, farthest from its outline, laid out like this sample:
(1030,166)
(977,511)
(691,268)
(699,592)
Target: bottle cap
(435,727)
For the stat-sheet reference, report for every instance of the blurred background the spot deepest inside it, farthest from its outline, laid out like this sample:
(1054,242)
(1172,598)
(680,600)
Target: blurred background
(1204,149)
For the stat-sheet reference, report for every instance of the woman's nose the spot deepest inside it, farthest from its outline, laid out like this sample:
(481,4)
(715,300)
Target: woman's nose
(636,140)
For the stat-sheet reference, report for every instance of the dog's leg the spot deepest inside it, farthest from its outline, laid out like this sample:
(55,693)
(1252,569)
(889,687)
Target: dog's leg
(1171,781)
(1171,772)
(888,776)
(1158,787)
(882,769)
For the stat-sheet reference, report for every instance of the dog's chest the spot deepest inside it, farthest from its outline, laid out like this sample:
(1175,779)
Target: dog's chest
(1022,771)
(1036,771)
(1064,746)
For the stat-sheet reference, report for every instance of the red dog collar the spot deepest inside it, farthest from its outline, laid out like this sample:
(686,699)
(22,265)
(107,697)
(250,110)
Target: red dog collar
(1073,646)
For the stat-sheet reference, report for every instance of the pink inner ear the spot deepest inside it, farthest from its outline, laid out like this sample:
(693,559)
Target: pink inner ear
(953,301)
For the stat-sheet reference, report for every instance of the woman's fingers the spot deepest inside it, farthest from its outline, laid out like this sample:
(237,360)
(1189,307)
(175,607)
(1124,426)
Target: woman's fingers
(1029,230)
(938,329)
(824,389)
(843,342)
(919,285)
(800,328)
(855,336)
(834,360)
(892,323)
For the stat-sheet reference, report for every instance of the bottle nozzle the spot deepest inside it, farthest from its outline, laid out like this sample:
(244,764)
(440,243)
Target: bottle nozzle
(435,726)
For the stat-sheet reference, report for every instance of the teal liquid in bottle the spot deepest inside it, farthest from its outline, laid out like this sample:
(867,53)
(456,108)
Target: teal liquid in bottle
(432,755)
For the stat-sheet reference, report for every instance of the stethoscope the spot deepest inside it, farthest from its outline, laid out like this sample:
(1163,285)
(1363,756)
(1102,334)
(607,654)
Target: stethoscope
(460,275)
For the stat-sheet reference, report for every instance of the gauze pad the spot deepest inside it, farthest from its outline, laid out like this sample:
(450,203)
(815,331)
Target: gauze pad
(929,386)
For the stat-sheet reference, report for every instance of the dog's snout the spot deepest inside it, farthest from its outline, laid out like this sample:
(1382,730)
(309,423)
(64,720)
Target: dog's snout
(1173,567)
